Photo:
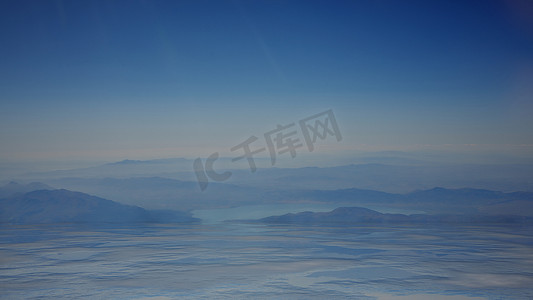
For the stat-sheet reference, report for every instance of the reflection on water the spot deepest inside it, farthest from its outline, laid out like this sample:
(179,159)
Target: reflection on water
(261,261)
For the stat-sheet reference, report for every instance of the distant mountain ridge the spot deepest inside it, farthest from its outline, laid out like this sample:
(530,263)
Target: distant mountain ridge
(63,206)
(159,192)
(393,178)
(13,188)
(434,201)
(152,161)
(360,215)
(393,175)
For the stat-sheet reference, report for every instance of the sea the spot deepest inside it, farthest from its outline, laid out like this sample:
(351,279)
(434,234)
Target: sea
(244,260)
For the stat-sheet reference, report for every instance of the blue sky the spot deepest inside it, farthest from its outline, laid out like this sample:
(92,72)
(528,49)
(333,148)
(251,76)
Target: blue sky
(110,80)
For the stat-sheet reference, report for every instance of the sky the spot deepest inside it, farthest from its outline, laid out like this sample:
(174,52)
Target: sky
(112,80)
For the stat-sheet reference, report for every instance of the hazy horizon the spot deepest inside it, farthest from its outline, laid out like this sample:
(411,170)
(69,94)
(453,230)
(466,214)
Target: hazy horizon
(91,81)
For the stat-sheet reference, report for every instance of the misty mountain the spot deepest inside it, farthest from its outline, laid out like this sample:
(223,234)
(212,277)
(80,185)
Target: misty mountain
(124,168)
(436,201)
(392,178)
(165,193)
(359,215)
(63,206)
(13,188)
(176,168)
(391,174)
(468,200)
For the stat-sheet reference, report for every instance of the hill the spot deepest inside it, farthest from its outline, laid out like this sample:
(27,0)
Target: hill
(63,206)
(359,215)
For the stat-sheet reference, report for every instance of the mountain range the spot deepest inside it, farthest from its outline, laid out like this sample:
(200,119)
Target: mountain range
(63,206)
(166,193)
(13,188)
(30,203)
(360,215)
(392,174)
